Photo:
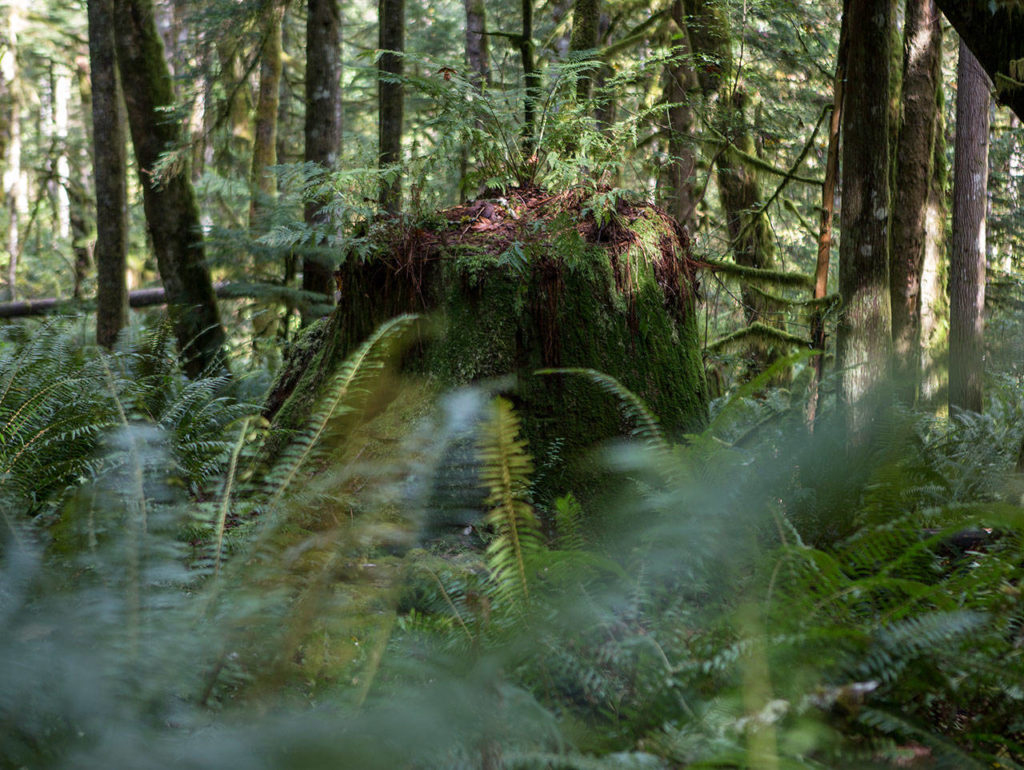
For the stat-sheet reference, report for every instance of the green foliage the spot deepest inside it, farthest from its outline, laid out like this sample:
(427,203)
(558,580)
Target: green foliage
(723,601)
(505,474)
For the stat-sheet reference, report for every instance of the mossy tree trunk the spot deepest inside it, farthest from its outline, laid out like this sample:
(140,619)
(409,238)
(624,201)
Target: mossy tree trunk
(110,165)
(531,81)
(750,235)
(391,101)
(680,85)
(322,131)
(915,169)
(233,157)
(172,213)
(967,259)
(934,276)
(864,339)
(585,16)
(264,151)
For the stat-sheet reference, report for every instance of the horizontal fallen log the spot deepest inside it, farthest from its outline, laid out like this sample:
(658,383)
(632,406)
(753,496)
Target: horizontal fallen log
(136,299)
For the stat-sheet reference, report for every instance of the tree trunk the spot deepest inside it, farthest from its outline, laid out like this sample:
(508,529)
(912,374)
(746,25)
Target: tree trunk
(323,127)
(828,204)
(585,17)
(915,153)
(109,175)
(934,272)
(967,261)
(750,235)
(60,80)
(390,101)
(531,83)
(681,83)
(172,214)
(478,62)
(994,32)
(739,188)
(234,155)
(478,55)
(864,339)
(264,151)
(14,186)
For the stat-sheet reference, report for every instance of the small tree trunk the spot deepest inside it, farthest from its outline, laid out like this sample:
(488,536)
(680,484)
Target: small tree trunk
(390,101)
(750,235)
(585,17)
(109,175)
(828,207)
(15,194)
(531,83)
(323,125)
(967,261)
(680,83)
(235,154)
(934,273)
(172,213)
(264,151)
(478,55)
(915,153)
(864,341)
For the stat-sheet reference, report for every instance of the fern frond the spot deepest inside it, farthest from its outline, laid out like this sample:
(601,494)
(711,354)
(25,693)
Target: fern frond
(339,398)
(568,515)
(505,468)
(630,404)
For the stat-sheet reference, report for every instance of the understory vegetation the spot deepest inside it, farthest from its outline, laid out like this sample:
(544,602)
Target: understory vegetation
(552,425)
(749,596)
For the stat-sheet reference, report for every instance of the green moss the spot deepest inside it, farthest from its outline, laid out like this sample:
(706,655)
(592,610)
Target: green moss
(547,294)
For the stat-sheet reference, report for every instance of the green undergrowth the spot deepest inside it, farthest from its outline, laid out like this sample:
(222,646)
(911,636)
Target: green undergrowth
(392,591)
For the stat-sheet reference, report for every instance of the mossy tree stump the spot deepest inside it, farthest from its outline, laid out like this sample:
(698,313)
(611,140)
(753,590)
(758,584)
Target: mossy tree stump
(514,285)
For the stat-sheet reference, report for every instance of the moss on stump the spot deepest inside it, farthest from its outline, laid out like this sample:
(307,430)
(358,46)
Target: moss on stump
(518,284)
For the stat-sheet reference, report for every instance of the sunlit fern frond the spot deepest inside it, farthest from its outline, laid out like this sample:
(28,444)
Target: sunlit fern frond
(505,471)
(568,517)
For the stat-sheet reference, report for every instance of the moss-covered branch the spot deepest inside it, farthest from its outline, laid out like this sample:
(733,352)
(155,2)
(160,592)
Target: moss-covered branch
(757,333)
(760,276)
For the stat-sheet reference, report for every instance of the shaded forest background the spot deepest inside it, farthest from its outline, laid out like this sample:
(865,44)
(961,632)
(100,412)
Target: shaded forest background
(567,384)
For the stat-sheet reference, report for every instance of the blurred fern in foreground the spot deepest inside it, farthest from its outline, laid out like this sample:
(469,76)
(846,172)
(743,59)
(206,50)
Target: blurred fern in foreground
(765,599)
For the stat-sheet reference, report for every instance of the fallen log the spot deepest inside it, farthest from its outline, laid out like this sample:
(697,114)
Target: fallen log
(136,299)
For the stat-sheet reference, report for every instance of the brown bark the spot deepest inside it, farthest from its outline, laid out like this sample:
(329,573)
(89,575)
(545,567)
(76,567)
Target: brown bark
(172,214)
(264,150)
(390,101)
(915,153)
(864,338)
(110,164)
(323,125)
(967,260)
